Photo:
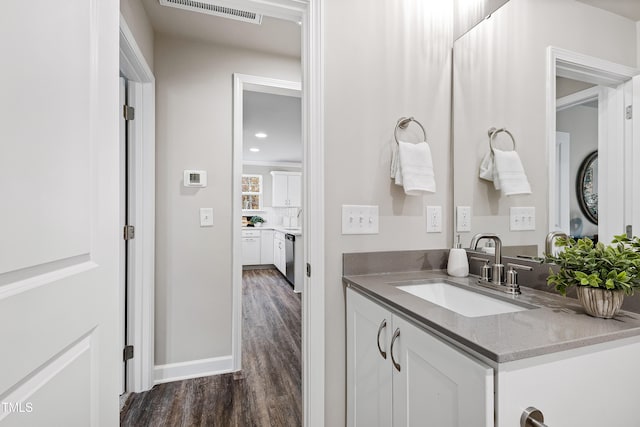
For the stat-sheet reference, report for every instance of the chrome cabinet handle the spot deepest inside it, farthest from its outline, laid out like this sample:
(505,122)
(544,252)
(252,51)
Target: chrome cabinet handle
(396,334)
(380,328)
(531,417)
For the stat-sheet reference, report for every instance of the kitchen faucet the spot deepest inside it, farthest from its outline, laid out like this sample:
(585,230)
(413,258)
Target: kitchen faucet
(497,275)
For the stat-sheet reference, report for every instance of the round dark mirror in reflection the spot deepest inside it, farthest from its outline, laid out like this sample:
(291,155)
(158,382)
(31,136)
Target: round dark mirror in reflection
(587,187)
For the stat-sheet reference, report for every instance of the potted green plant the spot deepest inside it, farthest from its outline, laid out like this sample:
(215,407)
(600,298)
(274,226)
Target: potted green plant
(603,274)
(256,221)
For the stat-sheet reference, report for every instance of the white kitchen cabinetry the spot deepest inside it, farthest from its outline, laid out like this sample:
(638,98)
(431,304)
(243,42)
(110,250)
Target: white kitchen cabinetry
(250,247)
(266,247)
(279,255)
(286,189)
(400,375)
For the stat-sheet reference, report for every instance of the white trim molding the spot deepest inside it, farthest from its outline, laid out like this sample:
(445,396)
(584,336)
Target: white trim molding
(140,334)
(192,369)
(310,14)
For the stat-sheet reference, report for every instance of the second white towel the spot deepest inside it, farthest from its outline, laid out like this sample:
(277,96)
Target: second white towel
(412,167)
(509,173)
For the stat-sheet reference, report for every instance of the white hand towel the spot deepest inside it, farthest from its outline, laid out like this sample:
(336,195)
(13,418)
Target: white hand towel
(487,168)
(415,168)
(396,173)
(510,173)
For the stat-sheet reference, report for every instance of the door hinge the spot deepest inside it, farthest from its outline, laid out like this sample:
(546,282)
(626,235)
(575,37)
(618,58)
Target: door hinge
(128,112)
(308,270)
(629,112)
(127,353)
(129,232)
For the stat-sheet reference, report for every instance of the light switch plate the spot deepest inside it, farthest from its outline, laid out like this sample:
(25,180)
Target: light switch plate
(206,217)
(463,219)
(522,219)
(359,219)
(434,219)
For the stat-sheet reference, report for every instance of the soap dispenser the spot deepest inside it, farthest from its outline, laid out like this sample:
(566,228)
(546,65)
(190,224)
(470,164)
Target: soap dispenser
(458,264)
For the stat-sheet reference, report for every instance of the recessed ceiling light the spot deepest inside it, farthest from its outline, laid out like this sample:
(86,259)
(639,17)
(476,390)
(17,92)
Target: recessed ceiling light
(254,149)
(261,135)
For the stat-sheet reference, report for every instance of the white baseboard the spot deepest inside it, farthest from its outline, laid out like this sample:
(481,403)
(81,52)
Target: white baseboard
(192,369)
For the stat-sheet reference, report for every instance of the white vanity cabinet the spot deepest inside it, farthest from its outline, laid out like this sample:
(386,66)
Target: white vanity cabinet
(286,189)
(591,386)
(414,379)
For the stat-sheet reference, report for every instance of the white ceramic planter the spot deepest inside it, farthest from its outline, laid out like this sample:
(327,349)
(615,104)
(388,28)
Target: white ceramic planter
(598,302)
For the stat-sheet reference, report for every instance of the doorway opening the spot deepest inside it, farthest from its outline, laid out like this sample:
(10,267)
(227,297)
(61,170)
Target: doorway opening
(609,84)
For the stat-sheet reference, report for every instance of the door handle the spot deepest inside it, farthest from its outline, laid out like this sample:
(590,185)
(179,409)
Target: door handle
(383,325)
(396,334)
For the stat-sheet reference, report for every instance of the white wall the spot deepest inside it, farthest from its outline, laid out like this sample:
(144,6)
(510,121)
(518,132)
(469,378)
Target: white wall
(138,22)
(582,123)
(194,131)
(467,14)
(394,63)
(500,80)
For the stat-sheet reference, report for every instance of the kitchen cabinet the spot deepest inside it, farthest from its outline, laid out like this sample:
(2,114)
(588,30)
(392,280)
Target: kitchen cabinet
(401,375)
(279,255)
(266,247)
(251,247)
(286,189)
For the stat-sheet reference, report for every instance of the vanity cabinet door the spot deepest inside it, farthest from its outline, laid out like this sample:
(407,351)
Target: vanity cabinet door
(369,374)
(437,385)
(593,386)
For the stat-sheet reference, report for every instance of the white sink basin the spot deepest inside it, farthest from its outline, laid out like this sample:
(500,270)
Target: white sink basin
(459,300)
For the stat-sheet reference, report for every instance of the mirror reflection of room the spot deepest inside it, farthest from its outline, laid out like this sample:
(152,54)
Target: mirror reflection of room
(590,55)
(576,158)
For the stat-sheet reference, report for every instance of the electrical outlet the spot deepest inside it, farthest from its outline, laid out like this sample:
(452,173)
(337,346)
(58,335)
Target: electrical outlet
(434,219)
(357,219)
(463,218)
(522,219)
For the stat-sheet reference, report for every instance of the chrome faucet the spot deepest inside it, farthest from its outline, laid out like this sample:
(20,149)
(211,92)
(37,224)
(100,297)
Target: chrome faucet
(551,237)
(497,273)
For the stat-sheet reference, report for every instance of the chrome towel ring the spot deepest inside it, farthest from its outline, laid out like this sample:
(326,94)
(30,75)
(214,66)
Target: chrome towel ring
(403,123)
(493,132)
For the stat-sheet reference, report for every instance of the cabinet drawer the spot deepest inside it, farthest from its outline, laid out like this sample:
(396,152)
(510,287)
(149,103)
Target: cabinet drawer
(250,233)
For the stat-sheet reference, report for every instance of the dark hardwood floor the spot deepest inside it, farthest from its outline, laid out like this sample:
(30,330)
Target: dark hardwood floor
(267,392)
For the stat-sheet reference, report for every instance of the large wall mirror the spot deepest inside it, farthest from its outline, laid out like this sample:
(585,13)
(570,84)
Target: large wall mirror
(558,75)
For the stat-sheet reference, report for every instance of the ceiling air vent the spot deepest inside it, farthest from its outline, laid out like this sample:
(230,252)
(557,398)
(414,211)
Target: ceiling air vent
(211,8)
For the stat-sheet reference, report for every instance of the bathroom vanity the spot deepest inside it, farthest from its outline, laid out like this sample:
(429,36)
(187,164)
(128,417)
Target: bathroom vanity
(411,361)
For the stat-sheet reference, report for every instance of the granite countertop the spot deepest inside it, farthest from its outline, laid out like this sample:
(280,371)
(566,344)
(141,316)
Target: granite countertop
(556,324)
(287,230)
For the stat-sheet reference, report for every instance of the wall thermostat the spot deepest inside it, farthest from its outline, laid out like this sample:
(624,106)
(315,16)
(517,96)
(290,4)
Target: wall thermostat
(195,178)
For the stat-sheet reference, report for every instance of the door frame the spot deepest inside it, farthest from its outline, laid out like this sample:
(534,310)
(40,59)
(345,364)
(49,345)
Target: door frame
(309,14)
(141,259)
(242,82)
(611,127)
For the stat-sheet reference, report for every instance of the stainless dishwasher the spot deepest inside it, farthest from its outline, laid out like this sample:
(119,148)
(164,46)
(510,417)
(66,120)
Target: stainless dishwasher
(289,251)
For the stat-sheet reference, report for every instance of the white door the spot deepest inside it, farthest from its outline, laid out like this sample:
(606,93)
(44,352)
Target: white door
(59,206)
(294,190)
(368,363)
(250,250)
(633,174)
(435,385)
(279,194)
(122,327)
